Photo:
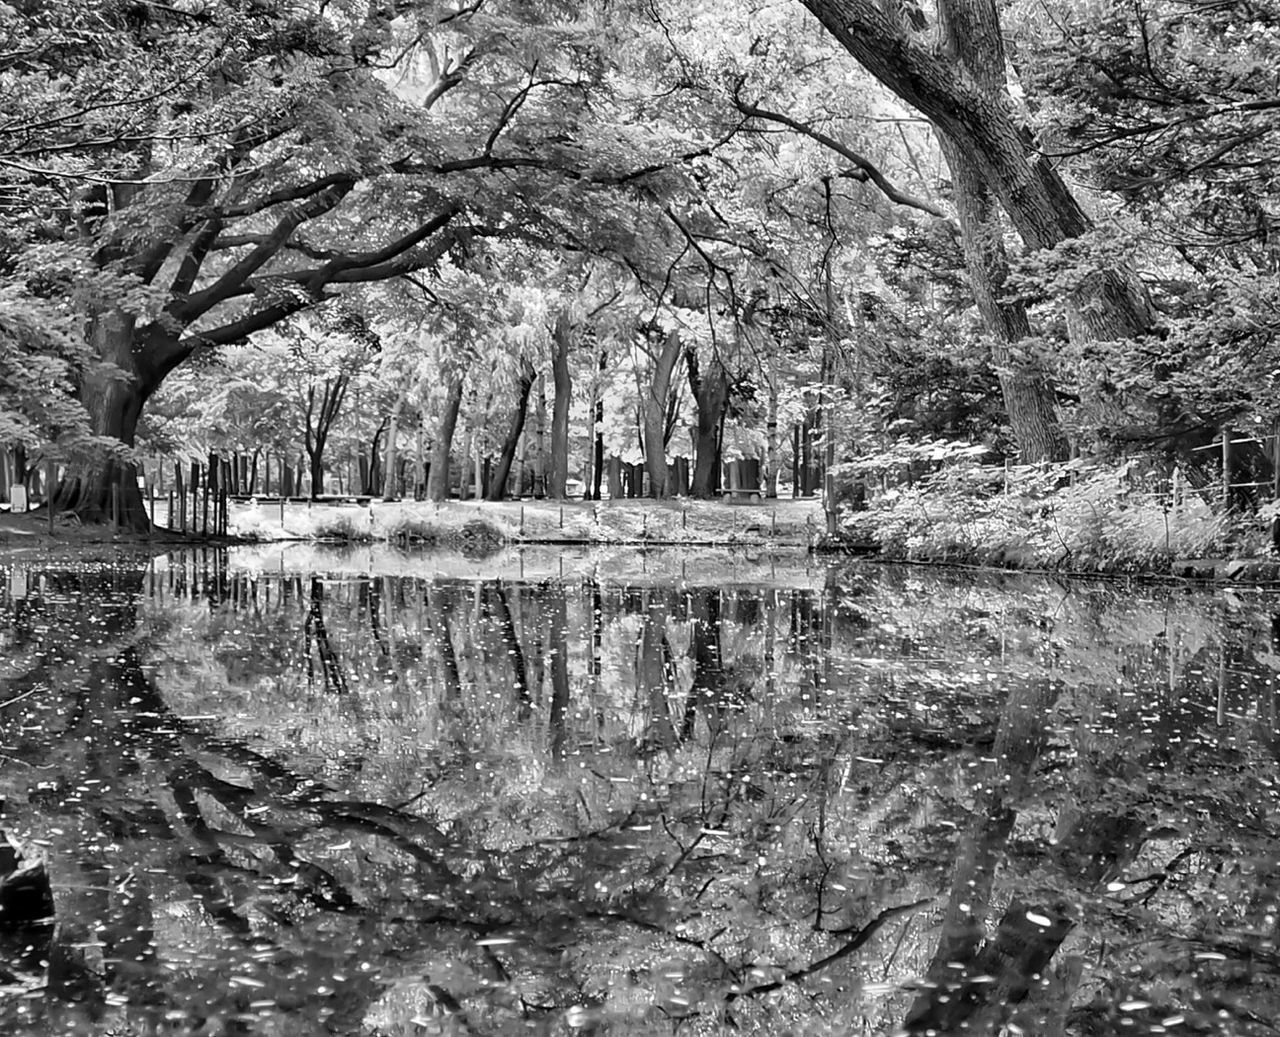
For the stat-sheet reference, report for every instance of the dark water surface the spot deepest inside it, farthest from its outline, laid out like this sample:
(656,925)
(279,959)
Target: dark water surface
(612,793)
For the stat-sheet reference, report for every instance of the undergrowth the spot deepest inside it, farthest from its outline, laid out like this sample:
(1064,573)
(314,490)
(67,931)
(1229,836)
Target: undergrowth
(1068,517)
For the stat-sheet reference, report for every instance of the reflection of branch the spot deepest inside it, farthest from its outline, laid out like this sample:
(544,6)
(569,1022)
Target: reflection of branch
(859,939)
(677,937)
(18,698)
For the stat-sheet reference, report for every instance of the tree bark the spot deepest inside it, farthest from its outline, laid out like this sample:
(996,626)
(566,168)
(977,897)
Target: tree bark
(562,338)
(979,122)
(438,474)
(318,422)
(393,432)
(711,395)
(94,487)
(655,415)
(539,488)
(971,38)
(597,425)
(524,387)
(376,473)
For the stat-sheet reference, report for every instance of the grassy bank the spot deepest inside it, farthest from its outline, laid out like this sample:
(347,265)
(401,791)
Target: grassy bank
(479,524)
(787,523)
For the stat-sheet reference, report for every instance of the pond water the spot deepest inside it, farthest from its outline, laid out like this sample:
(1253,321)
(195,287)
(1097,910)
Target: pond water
(283,791)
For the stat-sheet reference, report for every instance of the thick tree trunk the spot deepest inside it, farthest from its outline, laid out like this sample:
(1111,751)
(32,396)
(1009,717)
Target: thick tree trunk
(99,488)
(562,338)
(315,460)
(438,474)
(655,414)
(977,118)
(711,394)
(524,387)
(971,38)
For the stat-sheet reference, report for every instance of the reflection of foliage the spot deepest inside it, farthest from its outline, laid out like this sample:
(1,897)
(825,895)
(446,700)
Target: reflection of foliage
(624,805)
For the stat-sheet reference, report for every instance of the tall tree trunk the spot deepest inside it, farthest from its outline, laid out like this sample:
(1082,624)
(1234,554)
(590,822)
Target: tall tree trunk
(562,338)
(772,459)
(498,481)
(655,415)
(540,442)
(977,119)
(374,479)
(598,431)
(1028,401)
(971,38)
(438,476)
(393,432)
(318,421)
(711,395)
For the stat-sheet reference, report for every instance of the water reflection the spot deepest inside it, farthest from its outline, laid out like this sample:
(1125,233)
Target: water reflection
(392,795)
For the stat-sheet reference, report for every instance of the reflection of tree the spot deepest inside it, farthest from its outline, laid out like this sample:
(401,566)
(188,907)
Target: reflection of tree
(316,638)
(496,595)
(505,856)
(438,619)
(557,647)
(655,668)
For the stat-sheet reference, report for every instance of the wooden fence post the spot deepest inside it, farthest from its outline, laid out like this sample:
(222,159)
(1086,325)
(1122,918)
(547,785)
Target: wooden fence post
(195,496)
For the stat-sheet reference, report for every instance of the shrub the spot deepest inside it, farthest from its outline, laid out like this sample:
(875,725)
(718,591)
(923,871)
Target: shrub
(350,528)
(1073,516)
(411,529)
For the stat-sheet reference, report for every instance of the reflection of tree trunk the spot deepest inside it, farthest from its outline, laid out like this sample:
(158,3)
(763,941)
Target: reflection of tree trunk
(558,649)
(507,631)
(593,653)
(707,689)
(970,983)
(315,632)
(524,386)
(442,445)
(438,620)
(654,669)
(371,598)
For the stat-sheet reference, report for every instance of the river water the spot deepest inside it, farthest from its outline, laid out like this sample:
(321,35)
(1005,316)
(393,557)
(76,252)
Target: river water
(288,791)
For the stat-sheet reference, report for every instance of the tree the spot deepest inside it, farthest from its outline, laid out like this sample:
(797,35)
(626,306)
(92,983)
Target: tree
(655,405)
(970,108)
(183,212)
